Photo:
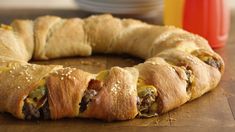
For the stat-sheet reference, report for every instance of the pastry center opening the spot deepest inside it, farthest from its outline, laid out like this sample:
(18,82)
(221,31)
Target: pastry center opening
(94,63)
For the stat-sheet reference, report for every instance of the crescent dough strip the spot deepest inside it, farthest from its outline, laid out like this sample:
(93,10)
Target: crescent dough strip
(24,28)
(17,80)
(171,88)
(65,91)
(205,77)
(179,67)
(117,98)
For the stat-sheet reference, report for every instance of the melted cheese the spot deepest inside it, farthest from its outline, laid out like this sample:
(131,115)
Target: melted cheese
(187,47)
(4,69)
(6,27)
(102,75)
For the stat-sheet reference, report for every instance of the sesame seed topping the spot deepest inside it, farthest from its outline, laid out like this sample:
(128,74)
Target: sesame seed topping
(62,78)
(26,72)
(115,88)
(34,66)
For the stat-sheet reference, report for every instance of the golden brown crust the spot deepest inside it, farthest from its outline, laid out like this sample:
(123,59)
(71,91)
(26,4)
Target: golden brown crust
(203,52)
(65,91)
(17,80)
(12,46)
(71,32)
(42,31)
(179,39)
(117,100)
(101,37)
(24,29)
(206,77)
(171,88)
(172,55)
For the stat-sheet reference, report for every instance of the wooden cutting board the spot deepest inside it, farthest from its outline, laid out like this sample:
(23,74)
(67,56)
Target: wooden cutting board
(214,111)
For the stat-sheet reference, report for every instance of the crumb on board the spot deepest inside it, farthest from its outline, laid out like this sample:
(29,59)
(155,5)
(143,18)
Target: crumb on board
(94,63)
(227,94)
(171,119)
(157,121)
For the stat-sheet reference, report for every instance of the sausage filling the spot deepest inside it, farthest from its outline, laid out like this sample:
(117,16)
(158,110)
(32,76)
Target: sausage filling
(211,61)
(190,77)
(93,89)
(147,100)
(36,104)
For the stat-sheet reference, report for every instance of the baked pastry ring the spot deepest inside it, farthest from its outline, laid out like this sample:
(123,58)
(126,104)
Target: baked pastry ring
(179,67)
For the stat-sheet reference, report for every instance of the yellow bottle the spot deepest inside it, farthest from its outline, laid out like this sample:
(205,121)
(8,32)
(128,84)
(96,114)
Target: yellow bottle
(173,12)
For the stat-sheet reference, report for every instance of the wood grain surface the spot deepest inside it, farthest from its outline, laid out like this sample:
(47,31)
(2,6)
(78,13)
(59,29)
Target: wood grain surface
(214,111)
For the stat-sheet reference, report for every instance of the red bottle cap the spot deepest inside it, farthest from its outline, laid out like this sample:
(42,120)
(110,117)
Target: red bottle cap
(208,18)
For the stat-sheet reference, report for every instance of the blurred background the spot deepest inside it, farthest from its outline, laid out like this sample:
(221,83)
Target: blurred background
(146,10)
(208,18)
(65,4)
(53,4)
